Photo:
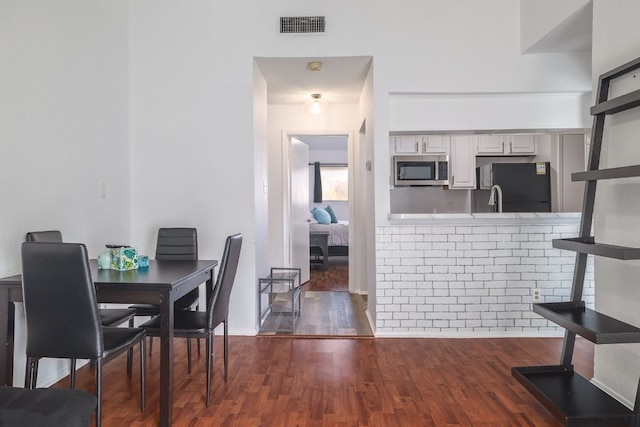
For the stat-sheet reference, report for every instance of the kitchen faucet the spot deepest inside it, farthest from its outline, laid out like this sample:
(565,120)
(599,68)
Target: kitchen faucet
(492,197)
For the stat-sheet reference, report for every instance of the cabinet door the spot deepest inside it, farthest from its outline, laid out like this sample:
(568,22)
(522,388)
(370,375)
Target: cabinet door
(490,144)
(522,144)
(462,162)
(435,144)
(407,144)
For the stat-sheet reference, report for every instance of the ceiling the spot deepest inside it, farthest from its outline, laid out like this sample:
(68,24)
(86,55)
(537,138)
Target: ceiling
(325,142)
(574,34)
(340,79)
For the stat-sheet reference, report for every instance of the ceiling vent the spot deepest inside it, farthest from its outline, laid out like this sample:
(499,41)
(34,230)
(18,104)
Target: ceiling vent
(301,24)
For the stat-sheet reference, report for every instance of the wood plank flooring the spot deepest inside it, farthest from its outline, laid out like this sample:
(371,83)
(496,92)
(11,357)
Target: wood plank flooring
(287,381)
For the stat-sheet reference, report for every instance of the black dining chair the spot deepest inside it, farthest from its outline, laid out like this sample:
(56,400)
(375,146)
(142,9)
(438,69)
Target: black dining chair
(202,324)
(61,313)
(110,317)
(174,244)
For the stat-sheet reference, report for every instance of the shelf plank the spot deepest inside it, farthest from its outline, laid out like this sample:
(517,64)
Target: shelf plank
(588,246)
(596,327)
(617,105)
(612,173)
(571,398)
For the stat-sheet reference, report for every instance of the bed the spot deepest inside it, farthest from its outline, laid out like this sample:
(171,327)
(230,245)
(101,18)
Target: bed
(337,240)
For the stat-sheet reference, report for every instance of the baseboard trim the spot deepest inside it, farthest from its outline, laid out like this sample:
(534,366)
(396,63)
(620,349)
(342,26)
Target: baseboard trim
(412,334)
(629,404)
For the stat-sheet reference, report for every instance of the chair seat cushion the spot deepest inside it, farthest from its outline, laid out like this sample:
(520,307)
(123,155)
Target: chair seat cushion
(146,309)
(119,339)
(115,316)
(187,302)
(45,407)
(185,323)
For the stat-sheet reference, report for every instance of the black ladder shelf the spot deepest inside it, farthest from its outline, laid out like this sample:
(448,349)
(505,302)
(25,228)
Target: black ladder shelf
(571,398)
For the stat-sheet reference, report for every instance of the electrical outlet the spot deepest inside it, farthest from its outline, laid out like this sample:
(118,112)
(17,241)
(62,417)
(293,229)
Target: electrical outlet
(537,295)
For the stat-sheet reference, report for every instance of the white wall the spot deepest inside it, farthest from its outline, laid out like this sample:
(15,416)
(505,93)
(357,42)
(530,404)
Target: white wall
(65,128)
(539,17)
(488,111)
(192,135)
(615,42)
(364,203)
(261,177)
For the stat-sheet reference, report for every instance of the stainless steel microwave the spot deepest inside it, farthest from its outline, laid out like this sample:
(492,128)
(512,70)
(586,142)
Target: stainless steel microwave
(420,170)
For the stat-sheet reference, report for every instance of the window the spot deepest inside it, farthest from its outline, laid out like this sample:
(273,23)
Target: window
(335,183)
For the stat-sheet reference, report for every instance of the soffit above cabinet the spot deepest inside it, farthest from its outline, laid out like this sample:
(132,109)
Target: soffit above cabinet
(491,132)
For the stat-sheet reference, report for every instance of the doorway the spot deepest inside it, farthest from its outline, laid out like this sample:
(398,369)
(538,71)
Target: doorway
(346,84)
(328,306)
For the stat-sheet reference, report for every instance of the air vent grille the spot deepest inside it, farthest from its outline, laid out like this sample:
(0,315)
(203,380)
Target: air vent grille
(301,24)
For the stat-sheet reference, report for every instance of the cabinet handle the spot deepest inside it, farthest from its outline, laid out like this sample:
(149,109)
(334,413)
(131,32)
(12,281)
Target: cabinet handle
(510,147)
(417,147)
(424,147)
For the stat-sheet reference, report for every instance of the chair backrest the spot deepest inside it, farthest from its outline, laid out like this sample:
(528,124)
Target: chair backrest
(60,303)
(44,236)
(218,307)
(177,244)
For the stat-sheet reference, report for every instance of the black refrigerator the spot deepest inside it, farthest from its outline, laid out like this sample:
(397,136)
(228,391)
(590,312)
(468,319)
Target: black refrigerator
(526,187)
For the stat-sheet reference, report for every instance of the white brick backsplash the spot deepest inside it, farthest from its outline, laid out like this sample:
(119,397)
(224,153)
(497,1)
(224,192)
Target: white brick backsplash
(443,245)
(472,278)
(508,245)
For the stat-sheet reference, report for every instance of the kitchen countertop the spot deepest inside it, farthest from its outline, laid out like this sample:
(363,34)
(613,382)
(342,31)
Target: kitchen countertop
(485,218)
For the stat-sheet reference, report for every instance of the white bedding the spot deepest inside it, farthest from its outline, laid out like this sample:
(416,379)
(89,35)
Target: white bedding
(338,233)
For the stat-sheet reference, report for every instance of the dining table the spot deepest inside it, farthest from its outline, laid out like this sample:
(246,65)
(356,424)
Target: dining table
(162,283)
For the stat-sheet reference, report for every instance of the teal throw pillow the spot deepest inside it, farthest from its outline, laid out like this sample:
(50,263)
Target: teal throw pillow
(321,216)
(334,218)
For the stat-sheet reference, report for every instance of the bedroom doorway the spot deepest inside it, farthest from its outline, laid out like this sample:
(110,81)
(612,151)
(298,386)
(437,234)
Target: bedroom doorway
(329,308)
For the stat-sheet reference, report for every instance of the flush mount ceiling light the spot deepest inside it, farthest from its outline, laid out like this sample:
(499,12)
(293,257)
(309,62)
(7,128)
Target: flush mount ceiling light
(316,105)
(314,66)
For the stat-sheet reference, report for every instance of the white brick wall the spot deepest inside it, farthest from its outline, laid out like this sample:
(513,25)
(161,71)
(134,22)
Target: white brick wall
(465,279)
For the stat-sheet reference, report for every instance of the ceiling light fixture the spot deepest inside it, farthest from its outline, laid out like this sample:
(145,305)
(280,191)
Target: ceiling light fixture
(316,105)
(314,66)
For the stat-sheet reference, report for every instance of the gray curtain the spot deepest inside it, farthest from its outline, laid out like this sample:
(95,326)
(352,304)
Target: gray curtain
(317,184)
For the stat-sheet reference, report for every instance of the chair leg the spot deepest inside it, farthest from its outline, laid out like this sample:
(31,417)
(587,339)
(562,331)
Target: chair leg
(27,374)
(99,392)
(226,347)
(34,374)
(31,372)
(130,354)
(143,368)
(210,351)
(198,339)
(189,355)
(72,373)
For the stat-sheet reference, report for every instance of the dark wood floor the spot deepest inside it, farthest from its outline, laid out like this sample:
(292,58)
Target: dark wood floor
(288,381)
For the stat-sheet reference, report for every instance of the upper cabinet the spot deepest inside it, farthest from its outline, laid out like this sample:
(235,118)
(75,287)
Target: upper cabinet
(506,145)
(462,163)
(421,144)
